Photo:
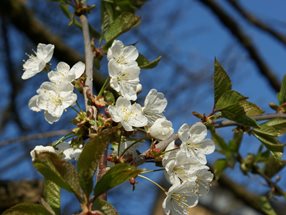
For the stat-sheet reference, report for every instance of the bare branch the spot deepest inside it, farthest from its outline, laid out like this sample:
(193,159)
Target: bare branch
(244,40)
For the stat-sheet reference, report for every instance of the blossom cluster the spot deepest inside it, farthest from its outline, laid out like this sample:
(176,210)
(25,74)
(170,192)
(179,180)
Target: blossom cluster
(185,165)
(57,94)
(186,169)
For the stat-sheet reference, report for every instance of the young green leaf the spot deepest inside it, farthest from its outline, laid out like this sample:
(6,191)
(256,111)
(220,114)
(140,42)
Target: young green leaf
(144,63)
(219,166)
(237,114)
(250,108)
(272,166)
(227,99)
(27,209)
(282,93)
(222,82)
(89,158)
(115,176)
(267,130)
(269,142)
(59,171)
(121,24)
(104,207)
(52,195)
(279,124)
(266,206)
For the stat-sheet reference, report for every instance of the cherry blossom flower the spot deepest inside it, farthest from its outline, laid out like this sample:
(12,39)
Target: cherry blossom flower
(128,115)
(122,56)
(53,99)
(39,149)
(180,198)
(161,129)
(154,106)
(194,144)
(66,74)
(203,178)
(37,61)
(125,80)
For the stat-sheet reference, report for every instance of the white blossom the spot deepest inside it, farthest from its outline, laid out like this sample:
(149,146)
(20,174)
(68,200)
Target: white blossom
(154,106)
(39,149)
(37,61)
(68,151)
(203,178)
(180,198)
(125,80)
(161,129)
(182,169)
(194,144)
(66,74)
(53,99)
(128,115)
(121,56)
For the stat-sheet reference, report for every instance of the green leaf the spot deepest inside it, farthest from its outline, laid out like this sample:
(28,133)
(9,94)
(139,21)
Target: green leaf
(144,63)
(267,130)
(222,82)
(121,24)
(89,158)
(236,141)
(237,114)
(52,195)
(266,206)
(115,176)
(59,171)
(219,166)
(272,166)
(269,142)
(251,109)
(105,207)
(282,93)
(27,209)
(107,15)
(279,124)
(227,99)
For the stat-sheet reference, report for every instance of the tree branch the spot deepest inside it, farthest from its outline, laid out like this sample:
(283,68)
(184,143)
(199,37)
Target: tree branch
(244,40)
(257,23)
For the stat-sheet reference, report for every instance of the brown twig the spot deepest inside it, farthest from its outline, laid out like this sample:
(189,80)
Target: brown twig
(250,18)
(28,138)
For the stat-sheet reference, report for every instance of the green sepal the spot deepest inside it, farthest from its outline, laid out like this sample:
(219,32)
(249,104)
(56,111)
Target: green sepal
(266,206)
(115,176)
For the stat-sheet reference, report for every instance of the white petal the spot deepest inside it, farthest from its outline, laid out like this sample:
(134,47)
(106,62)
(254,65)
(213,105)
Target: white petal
(33,104)
(50,119)
(184,132)
(78,69)
(45,52)
(206,146)
(198,132)
(130,53)
(115,50)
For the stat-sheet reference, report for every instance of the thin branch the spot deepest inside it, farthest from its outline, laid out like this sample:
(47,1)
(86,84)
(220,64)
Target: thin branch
(244,41)
(88,88)
(38,136)
(227,123)
(257,23)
